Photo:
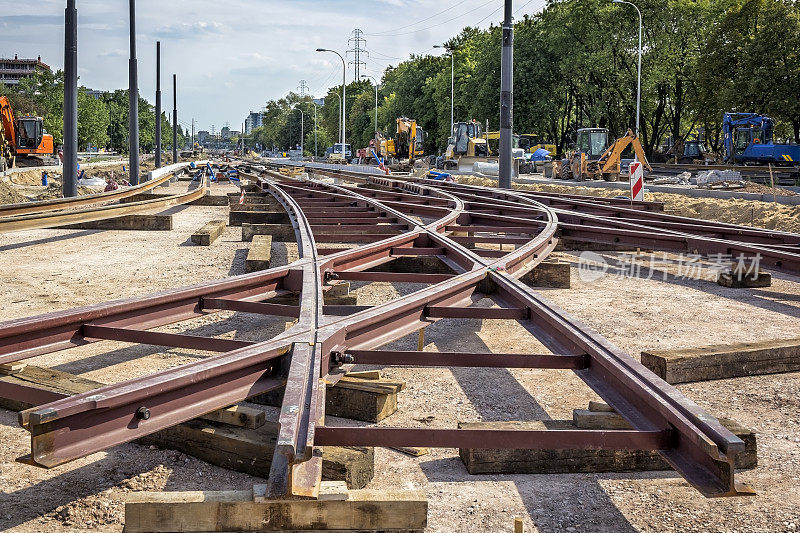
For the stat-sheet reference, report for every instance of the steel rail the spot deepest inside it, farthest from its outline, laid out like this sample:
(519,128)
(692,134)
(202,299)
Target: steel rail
(55,204)
(325,338)
(62,218)
(610,230)
(702,460)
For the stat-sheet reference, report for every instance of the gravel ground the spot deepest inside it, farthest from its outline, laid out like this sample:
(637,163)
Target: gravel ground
(49,270)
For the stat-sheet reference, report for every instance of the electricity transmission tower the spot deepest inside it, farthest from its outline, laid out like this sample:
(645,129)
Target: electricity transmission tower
(357,39)
(303,88)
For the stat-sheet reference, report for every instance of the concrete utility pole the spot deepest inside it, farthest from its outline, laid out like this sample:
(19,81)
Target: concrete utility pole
(174,118)
(133,103)
(69,181)
(158,104)
(193,135)
(506,98)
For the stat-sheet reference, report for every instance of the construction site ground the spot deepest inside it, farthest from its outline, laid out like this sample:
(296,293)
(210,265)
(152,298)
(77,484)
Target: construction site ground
(49,270)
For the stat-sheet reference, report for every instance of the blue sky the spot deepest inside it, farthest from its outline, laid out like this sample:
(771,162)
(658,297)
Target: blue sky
(231,56)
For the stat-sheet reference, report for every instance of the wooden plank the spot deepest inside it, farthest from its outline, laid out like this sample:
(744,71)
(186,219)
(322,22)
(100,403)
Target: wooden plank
(238,415)
(205,200)
(360,399)
(600,407)
(354,398)
(724,360)
(279,232)
(365,374)
(43,379)
(12,368)
(734,280)
(127,222)
(209,233)
(587,419)
(413,451)
(553,461)
(237,217)
(247,450)
(251,450)
(363,510)
(260,254)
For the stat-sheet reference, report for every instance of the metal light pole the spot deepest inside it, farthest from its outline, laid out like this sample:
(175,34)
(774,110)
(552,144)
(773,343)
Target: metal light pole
(315,129)
(69,181)
(133,102)
(639,68)
(174,118)
(344,98)
(158,104)
(339,96)
(376,100)
(506,98)
(302,132)
(452,82)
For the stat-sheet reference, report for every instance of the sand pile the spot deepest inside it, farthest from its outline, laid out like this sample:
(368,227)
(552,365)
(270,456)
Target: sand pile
(9,196)
(745,212)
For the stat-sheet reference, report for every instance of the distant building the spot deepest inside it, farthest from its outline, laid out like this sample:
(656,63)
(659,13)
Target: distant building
(202,136)
(225,132)
(254,120)
(94,93)
(13,70)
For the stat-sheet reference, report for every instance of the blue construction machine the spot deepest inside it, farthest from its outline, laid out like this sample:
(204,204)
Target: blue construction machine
(748,139)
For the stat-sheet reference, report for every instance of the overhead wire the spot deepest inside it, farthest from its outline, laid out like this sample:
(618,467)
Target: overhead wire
(436,25)
(457,4)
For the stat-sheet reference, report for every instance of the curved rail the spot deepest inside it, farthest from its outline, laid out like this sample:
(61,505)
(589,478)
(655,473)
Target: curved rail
(56,213)
(56,204)
(390,218)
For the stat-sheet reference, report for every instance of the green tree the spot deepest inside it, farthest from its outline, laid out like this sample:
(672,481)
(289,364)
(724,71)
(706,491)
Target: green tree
(93,121)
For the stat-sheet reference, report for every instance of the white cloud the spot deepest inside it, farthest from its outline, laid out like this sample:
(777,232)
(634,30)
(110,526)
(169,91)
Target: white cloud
(232,56)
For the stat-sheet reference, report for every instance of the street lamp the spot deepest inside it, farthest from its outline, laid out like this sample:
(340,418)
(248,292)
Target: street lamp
(376,100)
(639,69)
(344,97)
(452,82)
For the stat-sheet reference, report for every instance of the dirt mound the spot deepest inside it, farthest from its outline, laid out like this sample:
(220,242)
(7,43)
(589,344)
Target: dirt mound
(759,188)
(734,211)
(9,196)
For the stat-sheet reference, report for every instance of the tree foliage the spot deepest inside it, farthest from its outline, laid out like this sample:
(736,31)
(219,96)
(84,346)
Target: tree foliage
(102,122)
(576,66)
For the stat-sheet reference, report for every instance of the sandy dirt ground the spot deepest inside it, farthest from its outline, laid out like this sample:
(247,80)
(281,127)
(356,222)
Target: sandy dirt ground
(48,270)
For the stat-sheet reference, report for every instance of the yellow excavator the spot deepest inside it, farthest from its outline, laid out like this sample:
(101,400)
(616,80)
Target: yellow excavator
(407,145)
(593,159)
(466,146)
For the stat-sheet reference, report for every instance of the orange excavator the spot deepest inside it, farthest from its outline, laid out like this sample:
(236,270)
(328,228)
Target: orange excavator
(23,138)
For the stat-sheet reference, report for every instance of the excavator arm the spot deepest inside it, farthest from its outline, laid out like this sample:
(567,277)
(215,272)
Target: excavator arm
(7,119)
(610,160)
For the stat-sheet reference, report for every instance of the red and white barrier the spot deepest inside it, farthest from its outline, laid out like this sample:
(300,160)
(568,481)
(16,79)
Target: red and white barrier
(637,181)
